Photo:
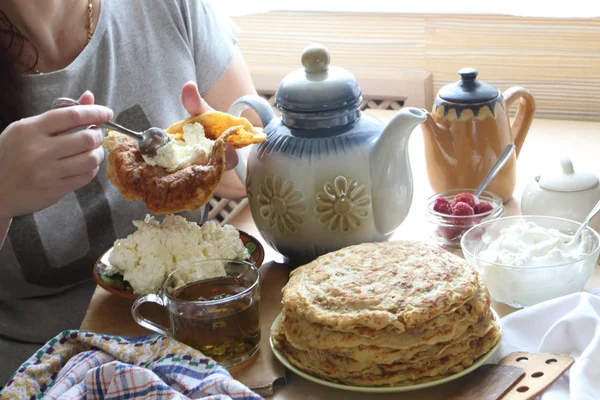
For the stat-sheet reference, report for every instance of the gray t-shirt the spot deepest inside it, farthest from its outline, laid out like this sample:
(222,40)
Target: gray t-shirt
(140,56)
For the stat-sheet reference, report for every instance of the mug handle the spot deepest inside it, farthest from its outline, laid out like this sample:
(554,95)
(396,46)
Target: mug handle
(524,116)
(146,323)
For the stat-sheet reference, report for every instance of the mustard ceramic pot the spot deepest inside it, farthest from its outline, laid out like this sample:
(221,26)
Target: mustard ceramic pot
(467,131)
(328,175)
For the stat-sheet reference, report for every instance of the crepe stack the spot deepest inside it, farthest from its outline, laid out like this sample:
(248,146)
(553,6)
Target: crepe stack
(385,314)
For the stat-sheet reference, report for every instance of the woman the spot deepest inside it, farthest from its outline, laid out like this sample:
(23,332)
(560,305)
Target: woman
(58,211)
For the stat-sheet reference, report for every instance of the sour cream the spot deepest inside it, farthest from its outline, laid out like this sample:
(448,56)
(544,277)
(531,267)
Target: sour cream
(194,149)
(531,245)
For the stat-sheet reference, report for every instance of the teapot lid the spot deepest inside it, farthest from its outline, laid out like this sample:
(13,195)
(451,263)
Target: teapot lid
(318,86)
(569,180)
(468,90)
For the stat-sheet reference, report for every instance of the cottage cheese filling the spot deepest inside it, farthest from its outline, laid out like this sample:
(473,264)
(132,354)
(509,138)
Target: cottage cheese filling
(194,149)
(156,248)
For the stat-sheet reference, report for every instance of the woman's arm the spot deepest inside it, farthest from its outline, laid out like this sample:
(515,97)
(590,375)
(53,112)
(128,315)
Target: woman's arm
(233,84)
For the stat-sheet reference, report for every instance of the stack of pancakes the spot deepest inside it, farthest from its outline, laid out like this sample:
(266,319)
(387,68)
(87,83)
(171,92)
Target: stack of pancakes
(385,314)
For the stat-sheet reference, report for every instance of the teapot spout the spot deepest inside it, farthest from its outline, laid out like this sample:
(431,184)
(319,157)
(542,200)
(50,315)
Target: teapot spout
(433,128)
(391,176)
(260,106)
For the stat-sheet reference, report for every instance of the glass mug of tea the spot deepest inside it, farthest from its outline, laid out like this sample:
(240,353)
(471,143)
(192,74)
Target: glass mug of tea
(218,316)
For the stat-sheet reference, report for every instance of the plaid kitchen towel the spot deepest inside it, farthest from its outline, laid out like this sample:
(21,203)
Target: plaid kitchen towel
(84,365)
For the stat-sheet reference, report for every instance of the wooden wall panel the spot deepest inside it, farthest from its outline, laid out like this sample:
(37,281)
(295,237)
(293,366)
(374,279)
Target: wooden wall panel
(557,59)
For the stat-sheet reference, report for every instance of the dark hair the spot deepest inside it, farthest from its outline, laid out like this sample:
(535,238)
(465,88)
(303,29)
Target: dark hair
(12,48)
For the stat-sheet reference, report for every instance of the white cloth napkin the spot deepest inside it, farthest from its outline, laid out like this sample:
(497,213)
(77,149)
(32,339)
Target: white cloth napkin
(567,325)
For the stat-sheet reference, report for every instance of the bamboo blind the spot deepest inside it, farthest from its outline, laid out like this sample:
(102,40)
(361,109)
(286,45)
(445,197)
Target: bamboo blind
(558,60)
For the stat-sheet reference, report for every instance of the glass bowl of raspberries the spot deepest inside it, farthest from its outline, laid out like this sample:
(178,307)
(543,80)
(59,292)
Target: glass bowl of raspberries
(455,211)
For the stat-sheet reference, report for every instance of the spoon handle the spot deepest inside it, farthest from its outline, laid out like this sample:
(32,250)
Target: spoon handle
(587,220)
(67,102)
(122,129)
(495,169)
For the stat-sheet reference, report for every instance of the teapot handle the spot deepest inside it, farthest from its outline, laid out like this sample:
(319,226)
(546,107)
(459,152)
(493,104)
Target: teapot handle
(524,117)
(266,115)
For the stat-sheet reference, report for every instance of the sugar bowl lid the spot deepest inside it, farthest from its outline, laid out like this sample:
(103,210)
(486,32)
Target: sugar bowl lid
(569,180)
(468,90)
(318,86)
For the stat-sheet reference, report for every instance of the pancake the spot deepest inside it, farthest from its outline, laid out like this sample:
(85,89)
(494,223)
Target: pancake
(401,284)
(187,189)
(304,334)
(216,122)
(162,192)
(394,374)
(365,359)
(385,314)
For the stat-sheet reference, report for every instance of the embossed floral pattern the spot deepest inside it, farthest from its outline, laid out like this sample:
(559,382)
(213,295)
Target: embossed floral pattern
(280,205)
(342,205)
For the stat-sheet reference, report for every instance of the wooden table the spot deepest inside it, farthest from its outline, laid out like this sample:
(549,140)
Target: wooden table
(548,141)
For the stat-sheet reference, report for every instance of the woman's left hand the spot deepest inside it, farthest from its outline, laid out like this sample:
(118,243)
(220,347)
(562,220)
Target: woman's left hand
(195,105)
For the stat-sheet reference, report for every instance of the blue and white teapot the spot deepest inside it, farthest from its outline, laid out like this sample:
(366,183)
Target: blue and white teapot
(328,175)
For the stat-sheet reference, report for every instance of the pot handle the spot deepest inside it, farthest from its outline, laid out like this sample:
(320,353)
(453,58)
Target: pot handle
(146,323)
(525,113)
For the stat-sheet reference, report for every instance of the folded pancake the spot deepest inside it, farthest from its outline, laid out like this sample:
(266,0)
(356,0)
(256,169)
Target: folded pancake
(185,173)
(400,284)
(216,122)
(162,192)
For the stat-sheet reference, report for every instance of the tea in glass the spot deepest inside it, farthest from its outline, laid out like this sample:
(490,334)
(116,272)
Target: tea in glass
(219,316)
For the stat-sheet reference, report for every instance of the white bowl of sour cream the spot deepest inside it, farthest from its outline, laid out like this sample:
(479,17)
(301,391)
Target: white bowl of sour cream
(529,259)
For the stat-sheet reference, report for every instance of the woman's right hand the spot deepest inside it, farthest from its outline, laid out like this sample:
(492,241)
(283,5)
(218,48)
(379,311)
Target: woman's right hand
(39,164)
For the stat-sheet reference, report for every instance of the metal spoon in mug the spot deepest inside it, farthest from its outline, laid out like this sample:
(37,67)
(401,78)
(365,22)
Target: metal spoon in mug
(495,169)
(585,223)
(149,141)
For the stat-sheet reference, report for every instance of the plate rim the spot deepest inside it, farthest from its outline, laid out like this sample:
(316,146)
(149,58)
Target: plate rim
(382,389)
(132,296)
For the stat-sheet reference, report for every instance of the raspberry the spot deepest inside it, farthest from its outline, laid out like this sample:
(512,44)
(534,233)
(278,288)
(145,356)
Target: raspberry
(468,198)
(462,209)
(442,205)
(483,207)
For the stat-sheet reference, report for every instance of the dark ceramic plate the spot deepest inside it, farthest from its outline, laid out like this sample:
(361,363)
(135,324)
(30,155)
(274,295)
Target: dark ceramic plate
(116,285)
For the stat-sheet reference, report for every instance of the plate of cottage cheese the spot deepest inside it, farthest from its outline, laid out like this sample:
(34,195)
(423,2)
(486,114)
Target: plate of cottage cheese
(138,264)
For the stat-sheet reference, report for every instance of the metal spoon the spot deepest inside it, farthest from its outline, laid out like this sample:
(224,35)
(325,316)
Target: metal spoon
(495,169)
(585,223)
(149,141)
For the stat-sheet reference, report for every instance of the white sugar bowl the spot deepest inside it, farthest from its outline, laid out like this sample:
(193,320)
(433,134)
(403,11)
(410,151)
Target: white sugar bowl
(570,194)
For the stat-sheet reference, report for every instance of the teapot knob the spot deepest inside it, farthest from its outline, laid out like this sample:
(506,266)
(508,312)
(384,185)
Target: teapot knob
(315,58)
(468,74)
(567,165)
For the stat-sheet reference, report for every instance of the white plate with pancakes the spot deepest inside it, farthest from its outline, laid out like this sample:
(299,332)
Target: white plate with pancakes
(385,317)
(378,389)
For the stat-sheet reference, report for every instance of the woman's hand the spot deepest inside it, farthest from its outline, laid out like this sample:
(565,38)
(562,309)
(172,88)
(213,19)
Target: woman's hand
(195,105)
(40,163)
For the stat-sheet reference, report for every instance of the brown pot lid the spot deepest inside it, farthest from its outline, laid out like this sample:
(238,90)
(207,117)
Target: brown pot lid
(468,90)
